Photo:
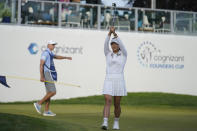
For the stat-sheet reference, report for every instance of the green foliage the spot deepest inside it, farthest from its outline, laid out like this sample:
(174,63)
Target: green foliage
(6,12)
(1,6)
(195,26)
(1,9)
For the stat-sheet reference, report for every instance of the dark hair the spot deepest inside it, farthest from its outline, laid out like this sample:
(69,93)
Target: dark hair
(114,43)
(117,44)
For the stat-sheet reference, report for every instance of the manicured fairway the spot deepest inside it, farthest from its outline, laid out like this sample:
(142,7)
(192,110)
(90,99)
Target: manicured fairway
(17,117)
(140,112)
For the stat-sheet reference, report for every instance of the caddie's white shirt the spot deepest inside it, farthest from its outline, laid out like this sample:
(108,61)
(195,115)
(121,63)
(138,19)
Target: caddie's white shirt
(115,62)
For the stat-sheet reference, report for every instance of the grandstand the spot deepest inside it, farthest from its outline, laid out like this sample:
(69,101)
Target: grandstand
(96,16)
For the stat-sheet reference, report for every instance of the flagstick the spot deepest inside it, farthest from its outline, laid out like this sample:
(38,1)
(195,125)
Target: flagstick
(60,83)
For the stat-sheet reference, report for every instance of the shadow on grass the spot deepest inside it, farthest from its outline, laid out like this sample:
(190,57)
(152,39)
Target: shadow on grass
(13,122)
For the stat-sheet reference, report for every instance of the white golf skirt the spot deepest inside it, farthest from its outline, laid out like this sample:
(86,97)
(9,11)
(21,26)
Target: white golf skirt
(114,85)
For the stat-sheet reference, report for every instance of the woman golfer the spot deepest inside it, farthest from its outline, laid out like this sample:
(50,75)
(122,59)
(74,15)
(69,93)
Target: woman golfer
(114,84)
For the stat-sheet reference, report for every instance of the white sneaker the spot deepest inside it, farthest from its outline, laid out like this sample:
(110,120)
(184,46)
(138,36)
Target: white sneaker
(37,107)
(104,126)
(116,125)
(49,113)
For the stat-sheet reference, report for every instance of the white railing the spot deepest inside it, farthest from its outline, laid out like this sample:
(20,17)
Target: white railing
(91,16)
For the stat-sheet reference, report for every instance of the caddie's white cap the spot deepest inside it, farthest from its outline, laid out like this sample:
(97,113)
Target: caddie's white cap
(114,40)
(51,42)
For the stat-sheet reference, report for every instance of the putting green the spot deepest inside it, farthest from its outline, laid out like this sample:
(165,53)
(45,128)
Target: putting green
(82,117)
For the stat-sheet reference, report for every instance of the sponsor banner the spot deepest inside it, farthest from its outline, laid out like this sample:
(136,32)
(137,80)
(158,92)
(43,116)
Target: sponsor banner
(34,49)
(155,62)
(150,56)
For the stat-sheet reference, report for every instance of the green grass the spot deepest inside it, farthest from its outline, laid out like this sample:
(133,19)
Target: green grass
(140,99)
(140,112)
(134,99)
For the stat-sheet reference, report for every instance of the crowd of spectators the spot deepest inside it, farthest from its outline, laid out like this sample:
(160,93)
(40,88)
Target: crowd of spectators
(75,15)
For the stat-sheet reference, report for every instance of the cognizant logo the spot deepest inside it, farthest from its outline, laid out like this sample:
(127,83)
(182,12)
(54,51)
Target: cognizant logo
(65,49)
(150,56)
(34,49)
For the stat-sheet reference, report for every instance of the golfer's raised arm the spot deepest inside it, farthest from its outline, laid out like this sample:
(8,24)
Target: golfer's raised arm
(106,44)
(121,45)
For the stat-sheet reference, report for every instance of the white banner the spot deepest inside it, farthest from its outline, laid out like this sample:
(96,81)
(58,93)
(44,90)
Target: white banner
(155,63)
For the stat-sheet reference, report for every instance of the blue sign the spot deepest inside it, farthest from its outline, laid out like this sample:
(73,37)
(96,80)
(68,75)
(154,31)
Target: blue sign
(33,48)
